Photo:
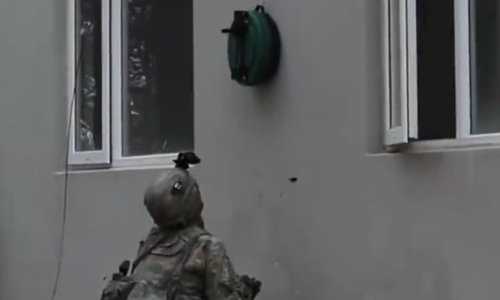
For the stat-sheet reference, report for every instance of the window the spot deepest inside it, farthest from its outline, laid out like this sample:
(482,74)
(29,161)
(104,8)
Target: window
(441,70)
(131,67)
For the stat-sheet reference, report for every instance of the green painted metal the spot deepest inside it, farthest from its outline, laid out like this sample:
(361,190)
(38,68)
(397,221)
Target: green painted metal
(254,47)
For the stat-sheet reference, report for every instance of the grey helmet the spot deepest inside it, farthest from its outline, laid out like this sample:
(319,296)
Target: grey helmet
(174,200)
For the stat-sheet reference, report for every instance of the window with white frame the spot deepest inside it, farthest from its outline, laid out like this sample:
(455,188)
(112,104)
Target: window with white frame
(131,81)
(442,70)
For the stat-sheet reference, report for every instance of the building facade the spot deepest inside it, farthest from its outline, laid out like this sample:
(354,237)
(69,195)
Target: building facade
(296,176)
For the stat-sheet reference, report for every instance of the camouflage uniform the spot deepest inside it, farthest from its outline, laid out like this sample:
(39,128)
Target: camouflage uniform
(182,261)
(208,272)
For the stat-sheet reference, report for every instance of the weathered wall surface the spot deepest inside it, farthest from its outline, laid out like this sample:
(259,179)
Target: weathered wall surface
(354,226)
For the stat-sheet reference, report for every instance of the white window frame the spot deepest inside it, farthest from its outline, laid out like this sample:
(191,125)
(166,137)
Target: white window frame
(408,101)
(74,61)
(117,99)
(462,69)
(112,106)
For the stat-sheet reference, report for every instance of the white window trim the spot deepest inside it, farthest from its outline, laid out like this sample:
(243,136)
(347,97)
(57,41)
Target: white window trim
(407,100)
(462,69)
(116,101)
(489,141)
(111,96)
(401,135)
(392,135)
(412,68)
(88,157)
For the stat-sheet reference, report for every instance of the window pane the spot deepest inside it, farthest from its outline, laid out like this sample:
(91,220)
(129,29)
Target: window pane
(485,69)
(88,104)
(395,62)
(436,69)
(158,77)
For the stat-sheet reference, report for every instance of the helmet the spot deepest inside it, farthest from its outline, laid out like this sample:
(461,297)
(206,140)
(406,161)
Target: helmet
(174,201)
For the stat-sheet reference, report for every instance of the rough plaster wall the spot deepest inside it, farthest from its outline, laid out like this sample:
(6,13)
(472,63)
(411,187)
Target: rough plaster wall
(306,239)
(354,226)
(30,87)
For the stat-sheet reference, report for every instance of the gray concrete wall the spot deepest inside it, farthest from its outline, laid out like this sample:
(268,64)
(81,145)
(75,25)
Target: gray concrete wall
(356,225)
(31,91)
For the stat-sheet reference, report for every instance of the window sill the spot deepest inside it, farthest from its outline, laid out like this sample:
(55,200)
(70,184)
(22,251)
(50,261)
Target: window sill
(108,169)
(147,162)
(488,141)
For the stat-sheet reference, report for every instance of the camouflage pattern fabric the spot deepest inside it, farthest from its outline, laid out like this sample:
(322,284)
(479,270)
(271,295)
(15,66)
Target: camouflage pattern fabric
(118,288)
(179,260)
(208,273)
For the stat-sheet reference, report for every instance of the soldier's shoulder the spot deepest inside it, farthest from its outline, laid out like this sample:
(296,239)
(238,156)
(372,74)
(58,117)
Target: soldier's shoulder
(213,244)
(206,237)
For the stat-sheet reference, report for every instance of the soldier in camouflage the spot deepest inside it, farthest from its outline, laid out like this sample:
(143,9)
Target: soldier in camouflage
(179,259)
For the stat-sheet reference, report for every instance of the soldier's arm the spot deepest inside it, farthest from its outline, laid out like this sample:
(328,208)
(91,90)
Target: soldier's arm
(222,283)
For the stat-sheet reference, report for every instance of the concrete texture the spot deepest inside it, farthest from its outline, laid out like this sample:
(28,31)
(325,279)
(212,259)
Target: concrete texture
(357,224)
